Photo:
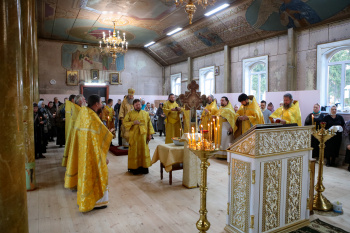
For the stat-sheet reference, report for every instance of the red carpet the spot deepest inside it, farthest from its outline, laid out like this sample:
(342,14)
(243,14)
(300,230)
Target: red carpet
(118,152)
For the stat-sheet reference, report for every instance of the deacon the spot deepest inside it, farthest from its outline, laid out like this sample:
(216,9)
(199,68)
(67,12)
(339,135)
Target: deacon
(75,107)
(91,140)
(249,112)
(108,116)
(140,128)
(172,111)
(208,112)
(289,113)
(226,125)
(125,108)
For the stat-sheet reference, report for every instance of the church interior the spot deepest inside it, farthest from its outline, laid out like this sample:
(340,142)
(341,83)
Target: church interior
(262,167)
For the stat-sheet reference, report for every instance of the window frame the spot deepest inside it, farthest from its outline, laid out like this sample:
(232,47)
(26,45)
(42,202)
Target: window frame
(202,78)
(173,78)
(325,52)
(248,64)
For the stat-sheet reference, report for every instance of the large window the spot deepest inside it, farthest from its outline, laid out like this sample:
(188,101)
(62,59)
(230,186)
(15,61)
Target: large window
(255,77)
(339,79)
(207,80)
(176,84)
(333,74)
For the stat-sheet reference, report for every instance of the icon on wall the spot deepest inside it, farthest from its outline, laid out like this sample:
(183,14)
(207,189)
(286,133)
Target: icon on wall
(217,70)
(94,75)
(114,78)
(72,78)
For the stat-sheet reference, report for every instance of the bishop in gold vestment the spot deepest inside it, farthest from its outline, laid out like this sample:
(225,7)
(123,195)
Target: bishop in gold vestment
(172,111)
(289,113)
(140,128)
(108,115)
(125,108)
(249,113)
(226,126)
(91,140)
(209,111)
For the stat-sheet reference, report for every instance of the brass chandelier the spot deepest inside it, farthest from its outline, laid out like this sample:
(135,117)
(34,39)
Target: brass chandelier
(114,44)
(190,7)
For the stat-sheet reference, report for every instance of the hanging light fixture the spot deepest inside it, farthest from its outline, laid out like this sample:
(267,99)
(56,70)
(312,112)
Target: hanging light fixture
(114,44)
(190,7)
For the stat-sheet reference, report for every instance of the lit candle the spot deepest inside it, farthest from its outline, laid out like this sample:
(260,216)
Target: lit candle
(193,138)
(312,119)
(189,140)
(216,137)
(209,132)
(180,133)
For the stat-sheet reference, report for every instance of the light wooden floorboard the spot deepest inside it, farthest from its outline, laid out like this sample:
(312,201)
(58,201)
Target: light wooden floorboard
(144,203)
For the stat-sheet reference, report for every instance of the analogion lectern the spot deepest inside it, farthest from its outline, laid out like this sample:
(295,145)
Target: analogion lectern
(269,179)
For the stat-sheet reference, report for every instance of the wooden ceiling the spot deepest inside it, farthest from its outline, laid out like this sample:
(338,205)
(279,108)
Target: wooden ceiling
(84,21)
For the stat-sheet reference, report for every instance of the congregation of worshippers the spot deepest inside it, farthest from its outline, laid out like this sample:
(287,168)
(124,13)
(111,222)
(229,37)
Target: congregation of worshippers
(86,127)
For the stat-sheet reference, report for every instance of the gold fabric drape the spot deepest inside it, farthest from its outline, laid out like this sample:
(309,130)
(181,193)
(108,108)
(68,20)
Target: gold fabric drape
(138,154)
(253,112)
(71,118)
(291,115)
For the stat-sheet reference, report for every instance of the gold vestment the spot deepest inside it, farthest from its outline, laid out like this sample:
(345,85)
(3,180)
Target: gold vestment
(253,112)
(125,108)
(290,115)
(173,125)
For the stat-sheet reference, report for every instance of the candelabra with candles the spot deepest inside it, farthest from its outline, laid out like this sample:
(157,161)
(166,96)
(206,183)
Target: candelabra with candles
(322,135)
(114,44)
(203,148)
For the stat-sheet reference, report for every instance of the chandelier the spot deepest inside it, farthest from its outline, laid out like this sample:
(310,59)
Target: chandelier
(114,44)
(190,7)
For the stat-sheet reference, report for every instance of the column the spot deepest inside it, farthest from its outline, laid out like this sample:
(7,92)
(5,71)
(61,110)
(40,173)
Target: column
(291,63)
(13,194)
(189,70)
(227,69)
(28,18)
(36,62)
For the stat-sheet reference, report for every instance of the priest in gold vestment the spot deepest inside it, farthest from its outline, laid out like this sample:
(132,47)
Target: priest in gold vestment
(74,109)
(226,126)
(108,116)
(125,108)
(249,113)
(91,140)
(172,112)
(140,128)
(288,113)
(208,112)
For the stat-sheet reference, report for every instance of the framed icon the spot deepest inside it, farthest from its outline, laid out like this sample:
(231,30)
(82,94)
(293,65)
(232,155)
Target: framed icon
(72,78)
(114,78)
(94,75)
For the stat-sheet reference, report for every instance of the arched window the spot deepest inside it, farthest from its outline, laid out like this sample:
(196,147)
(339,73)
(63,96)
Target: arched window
(255,80)
(176,84)
(333,74)
(207,80)
(338,79)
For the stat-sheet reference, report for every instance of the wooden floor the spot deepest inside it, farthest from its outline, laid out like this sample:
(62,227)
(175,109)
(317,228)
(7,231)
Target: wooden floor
(144,203)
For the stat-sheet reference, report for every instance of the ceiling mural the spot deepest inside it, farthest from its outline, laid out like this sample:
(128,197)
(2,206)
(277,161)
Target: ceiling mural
(143,21)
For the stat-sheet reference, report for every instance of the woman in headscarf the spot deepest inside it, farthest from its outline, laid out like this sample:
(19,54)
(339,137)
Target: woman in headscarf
(317,119)
(333,144)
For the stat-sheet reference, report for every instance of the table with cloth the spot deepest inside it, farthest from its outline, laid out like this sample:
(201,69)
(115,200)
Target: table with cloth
(171,157)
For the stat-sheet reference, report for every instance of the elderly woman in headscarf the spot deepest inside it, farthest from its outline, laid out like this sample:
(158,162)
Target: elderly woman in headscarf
(161,118)
(316,117)
(333,144)
(45,126)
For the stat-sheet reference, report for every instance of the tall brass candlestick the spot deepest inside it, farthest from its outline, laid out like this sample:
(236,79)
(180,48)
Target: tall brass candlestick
(203,224)
(320,201)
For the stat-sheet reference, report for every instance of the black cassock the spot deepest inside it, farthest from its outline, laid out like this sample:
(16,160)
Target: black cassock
(333,144)
(318,118)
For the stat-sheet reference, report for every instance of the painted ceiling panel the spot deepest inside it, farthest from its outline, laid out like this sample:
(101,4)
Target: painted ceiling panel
(149,20)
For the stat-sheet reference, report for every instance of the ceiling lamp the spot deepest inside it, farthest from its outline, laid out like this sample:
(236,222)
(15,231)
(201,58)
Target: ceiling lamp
(190,7)
(114,44)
